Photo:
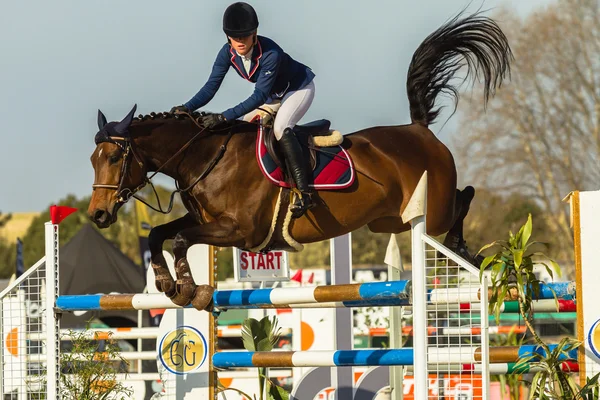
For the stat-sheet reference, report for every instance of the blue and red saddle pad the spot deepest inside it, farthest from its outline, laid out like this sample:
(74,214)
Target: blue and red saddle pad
(333,168)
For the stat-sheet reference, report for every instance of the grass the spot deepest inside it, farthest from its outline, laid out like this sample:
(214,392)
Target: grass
(17,225)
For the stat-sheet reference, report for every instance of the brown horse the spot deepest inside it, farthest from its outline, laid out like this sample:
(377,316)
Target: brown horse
(229,201)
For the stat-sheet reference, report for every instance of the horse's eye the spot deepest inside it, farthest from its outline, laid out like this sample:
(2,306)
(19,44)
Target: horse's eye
(113,159)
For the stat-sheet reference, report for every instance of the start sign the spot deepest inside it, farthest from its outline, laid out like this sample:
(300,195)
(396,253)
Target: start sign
(260,267)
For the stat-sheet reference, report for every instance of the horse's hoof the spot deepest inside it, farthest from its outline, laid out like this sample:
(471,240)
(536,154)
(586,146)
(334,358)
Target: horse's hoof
(469,193)
(203,298)
(184,292)
(163,280)
(166,286)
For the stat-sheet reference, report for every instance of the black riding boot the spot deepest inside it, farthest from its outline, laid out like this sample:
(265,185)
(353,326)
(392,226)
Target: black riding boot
(293,155)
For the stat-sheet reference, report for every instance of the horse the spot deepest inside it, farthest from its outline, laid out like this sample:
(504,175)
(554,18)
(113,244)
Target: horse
(231,204)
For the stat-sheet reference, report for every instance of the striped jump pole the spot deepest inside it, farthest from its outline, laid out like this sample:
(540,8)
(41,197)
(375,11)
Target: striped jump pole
(454,330)
(396,295)
(563,291)
(508,307)
(512,306)
(351,295)
(501,368)
(364,358)
(348,295)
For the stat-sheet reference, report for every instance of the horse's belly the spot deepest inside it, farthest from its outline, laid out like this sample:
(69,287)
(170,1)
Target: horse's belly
(389,163)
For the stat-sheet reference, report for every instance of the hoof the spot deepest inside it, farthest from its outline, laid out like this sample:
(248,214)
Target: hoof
(184,292)
(469,193)
(203,298)
(165,285)
(163,280)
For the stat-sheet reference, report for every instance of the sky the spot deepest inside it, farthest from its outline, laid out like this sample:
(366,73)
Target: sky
(61,61)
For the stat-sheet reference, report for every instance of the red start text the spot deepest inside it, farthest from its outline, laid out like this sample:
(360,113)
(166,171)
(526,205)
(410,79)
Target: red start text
(254,261)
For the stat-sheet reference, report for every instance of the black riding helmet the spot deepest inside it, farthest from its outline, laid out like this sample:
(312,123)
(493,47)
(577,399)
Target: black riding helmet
(239,20)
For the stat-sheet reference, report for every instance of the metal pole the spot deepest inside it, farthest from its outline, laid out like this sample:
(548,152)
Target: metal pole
(419,309)
(415,212)
(485,342)
(395,335)
(341,273)
(52,320)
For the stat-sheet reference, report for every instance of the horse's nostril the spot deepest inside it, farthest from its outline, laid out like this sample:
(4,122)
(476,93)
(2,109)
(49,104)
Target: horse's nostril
(99,216)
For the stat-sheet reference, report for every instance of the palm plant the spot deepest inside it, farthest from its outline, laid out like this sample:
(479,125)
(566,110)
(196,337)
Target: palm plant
(513,278)
(262,335)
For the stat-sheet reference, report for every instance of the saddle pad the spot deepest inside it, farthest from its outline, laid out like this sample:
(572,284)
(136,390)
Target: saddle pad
(333,168)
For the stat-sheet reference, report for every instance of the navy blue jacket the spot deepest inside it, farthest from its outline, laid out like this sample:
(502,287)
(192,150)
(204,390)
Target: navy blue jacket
(274,72)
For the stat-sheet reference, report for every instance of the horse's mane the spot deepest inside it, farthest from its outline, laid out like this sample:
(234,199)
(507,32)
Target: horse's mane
(168,115)
(164,115)
(269,138)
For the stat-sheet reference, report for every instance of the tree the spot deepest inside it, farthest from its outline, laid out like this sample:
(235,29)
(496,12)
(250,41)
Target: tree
(540,135)
(482,226)
(4,219)
(7,251)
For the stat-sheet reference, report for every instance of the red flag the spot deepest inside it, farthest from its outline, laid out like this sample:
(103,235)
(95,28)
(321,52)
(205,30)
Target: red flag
(297,276)
(312,278)
(58,213)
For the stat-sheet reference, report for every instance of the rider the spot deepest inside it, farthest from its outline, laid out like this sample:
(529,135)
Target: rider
(282,83)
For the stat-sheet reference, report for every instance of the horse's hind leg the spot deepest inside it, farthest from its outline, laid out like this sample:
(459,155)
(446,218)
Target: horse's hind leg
(220,233)
(455,240)
(163,280)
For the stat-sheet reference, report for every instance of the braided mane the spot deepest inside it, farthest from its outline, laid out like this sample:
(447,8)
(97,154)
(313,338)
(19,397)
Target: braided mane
(164,115)
(168,115)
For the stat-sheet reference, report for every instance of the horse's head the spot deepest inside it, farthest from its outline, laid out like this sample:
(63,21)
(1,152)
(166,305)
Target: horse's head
(118,171)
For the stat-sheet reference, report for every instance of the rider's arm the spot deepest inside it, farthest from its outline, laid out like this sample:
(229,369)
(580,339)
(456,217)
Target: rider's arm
(262,88)
(208,91)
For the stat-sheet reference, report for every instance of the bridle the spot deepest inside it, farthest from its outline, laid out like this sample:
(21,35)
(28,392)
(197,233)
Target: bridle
(126,144)
(123,193)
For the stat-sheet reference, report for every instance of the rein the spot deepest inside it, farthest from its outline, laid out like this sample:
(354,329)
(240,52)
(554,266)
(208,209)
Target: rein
(124,194)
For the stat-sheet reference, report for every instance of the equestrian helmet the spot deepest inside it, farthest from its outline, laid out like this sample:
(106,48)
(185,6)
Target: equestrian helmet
(239,20)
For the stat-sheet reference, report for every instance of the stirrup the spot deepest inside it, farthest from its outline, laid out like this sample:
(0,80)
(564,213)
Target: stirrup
(302,204)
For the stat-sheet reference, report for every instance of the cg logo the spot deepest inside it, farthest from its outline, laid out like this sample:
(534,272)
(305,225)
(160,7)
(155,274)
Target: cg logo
(594,338)
(183,350)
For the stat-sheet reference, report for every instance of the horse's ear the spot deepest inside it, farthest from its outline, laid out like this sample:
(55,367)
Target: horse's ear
(123,126)
(101,120)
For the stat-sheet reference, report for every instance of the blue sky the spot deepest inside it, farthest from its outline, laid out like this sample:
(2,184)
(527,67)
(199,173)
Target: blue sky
(62,60)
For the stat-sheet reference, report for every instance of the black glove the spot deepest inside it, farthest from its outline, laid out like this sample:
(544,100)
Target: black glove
(179,109)
(212,120)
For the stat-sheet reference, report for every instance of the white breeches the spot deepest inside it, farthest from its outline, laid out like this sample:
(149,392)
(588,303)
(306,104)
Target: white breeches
(290,109)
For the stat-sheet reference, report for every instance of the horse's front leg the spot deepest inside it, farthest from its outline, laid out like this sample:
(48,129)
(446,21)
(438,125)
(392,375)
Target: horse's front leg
(222,232)
(162,277)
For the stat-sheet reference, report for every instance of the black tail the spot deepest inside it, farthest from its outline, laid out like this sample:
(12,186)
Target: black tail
(475,40)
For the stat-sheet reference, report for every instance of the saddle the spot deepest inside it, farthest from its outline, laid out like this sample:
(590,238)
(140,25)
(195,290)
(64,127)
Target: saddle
(329,162)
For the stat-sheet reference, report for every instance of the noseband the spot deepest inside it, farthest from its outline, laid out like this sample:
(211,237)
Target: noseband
(123,193)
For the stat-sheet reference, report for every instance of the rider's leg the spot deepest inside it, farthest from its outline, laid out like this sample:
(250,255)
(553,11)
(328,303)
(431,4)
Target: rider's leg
(297,167)
(293,107)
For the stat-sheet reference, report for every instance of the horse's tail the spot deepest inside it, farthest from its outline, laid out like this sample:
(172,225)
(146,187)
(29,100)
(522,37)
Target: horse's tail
(476,41)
